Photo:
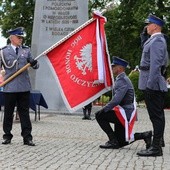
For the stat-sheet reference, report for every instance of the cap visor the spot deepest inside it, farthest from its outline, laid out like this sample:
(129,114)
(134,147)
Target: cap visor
(147,21)
(20,35)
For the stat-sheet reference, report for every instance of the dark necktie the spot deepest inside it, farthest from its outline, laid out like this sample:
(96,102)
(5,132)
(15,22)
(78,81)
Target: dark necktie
(16,50)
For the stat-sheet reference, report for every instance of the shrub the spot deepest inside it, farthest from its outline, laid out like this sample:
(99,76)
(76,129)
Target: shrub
(104,99)
(134,77)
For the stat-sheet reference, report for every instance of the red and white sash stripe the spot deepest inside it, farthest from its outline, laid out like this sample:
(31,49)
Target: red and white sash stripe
(121,115)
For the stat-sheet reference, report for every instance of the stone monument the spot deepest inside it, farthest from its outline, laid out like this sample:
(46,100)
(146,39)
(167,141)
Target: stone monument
(53,20)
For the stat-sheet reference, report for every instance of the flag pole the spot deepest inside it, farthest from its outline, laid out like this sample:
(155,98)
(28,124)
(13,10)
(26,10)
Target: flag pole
(55,45)
(46,51)
(15,74)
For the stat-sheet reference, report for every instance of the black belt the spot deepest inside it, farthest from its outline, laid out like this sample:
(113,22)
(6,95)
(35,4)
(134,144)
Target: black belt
(145,68)
(126,103)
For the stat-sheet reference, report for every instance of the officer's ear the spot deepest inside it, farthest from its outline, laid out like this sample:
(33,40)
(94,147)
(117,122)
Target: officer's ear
(121,67)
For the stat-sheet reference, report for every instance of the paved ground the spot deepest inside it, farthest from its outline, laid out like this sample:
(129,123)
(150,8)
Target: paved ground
(66,142)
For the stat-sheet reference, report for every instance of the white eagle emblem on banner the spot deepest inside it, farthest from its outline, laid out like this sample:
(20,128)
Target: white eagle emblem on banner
(84,61)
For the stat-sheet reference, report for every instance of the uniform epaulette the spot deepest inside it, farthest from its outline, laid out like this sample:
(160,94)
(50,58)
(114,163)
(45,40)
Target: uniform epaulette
(3,47)
(24,46)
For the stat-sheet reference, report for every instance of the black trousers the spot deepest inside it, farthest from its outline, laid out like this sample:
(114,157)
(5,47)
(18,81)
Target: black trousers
(154,101)
(104,119)
(21,100)
(87,111)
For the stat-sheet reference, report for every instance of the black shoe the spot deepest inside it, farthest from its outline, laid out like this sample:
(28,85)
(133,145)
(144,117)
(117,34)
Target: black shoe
(6,141)
(110,145)
(152,151)
(84,118)
(147,136)
(29,143)
(88,118)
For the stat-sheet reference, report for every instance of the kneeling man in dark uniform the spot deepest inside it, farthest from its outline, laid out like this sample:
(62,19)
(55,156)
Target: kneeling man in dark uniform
(121,107)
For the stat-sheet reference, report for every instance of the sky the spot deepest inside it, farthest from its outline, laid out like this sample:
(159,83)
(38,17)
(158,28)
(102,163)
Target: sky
(2,41)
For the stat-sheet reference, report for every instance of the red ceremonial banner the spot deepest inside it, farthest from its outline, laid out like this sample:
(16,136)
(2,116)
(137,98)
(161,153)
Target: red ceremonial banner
(77,65)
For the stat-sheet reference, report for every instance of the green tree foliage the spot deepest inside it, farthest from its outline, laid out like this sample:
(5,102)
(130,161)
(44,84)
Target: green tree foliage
(97,4)
(17,13)
(126,22)
(134,77)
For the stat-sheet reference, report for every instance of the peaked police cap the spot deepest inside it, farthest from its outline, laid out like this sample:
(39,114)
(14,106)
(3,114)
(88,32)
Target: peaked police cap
(119,61)
(154,19)
(17,31)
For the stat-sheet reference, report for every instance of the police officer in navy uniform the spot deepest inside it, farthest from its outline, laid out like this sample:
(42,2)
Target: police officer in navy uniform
(152,81)
(123,95)
(144,37)
(13,57)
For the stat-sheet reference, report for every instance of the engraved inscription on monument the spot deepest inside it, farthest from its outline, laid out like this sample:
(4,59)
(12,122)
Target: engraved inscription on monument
(59,17)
